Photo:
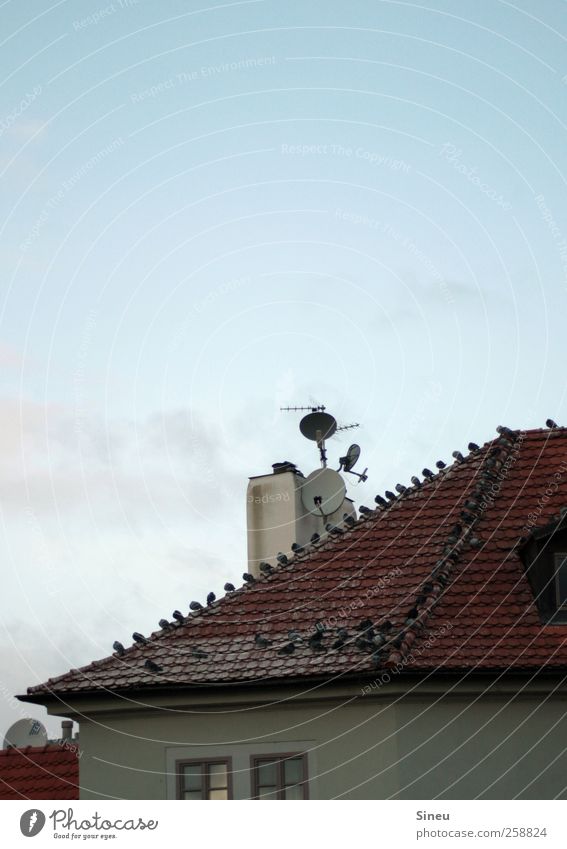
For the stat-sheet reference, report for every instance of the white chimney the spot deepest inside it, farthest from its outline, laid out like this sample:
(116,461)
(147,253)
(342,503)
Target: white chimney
(277,517)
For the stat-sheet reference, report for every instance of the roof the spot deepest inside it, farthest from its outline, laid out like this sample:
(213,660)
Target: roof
(432,581)
(39,772)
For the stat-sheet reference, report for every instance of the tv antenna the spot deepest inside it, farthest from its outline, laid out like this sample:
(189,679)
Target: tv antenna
(324,490)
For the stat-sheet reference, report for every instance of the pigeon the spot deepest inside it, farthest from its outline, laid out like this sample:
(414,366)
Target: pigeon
(178,616)
(349,521)
(164,624)
(315,538)
(333,530)
(380,501)
(472,446)
(248,578)
(296,548)
(319,626)
(151,666)
(474,542)
(427,473)
(118,648)
(282,559)
(294,636)
(389,494)
(416,481)
(195,605)
(139,638)
(400,488)
(440,464)
(551,424)
(229,588)
(363,644)
(210,599)
(261,641)
(364,510)
(266,569)
(458,456)
(342,637)
(378,640)
(289,648)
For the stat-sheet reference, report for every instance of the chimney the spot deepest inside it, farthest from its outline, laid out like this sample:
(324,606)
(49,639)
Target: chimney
(276,516)
(67,729)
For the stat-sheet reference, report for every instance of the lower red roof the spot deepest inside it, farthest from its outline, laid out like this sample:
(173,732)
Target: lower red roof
(40,772)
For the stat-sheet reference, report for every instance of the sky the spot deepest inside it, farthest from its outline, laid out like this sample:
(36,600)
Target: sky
(211,211)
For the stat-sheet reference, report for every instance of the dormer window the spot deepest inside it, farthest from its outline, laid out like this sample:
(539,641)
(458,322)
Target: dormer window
(561,580)
(545,557)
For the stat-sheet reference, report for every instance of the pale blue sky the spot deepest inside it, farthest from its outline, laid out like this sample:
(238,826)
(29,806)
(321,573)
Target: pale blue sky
(209,212)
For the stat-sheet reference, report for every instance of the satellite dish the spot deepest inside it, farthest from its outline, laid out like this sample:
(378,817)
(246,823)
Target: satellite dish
(25,732)
(351,458)
(323,491)
(314,423)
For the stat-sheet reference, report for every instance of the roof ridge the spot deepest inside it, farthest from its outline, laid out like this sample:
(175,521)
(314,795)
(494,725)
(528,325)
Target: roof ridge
(432,589)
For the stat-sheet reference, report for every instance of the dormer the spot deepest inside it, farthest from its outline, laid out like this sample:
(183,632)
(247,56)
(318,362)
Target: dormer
(544,555)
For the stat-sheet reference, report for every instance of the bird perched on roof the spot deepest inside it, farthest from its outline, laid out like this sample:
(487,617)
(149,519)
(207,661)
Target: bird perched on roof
(364,510)
(261,641)
(342,637)
(440,464)
(349,520)
(363,644)
(282,559)
(416,481)
(333,530)
(248,578)
(139,638)
(378,640)
(266,569)
(210,599)
(400,488)
(474,542)
(314,641)
(427,473)
(458,456)
(297,548)
(315,538)
(151,666)
(551,424)
(289,648)
(178,616)
(380,501)
(195,605)
(472,446)
(118,648)
(164,624)
(294,636)
(229,588)
(389,494)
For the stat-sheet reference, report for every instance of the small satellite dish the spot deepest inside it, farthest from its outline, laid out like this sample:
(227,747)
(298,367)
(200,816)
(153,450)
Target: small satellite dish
(25,732)
(351,458)
(318,423)
(323,492)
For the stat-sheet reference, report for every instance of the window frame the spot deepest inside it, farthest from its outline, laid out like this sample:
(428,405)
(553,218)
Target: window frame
(179,783)
(279,757)
(562,557)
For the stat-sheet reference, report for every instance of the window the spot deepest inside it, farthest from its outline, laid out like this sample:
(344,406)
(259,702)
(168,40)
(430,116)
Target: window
(279,777)
(561,580)
(204,779)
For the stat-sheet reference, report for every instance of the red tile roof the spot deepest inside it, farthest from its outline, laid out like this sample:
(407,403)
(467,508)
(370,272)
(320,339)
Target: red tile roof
(436,573)
(39,772)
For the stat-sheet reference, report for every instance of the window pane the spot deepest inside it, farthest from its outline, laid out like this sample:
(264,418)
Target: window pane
(268,792)
(294,792)
(192,794)
(217,775)
(218,794)
(561,567)
(192,777)
(293,770)
(267,773)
